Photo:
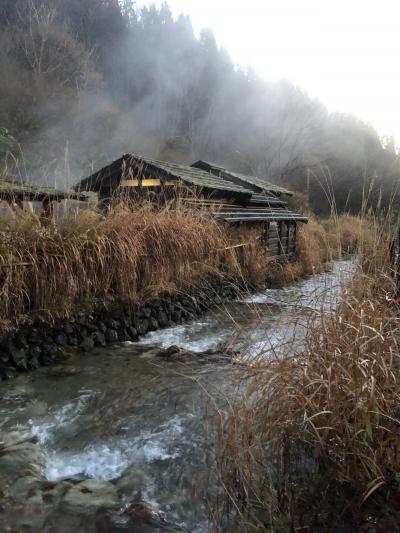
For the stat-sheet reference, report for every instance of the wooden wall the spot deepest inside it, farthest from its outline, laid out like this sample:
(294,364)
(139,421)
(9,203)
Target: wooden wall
(280,238)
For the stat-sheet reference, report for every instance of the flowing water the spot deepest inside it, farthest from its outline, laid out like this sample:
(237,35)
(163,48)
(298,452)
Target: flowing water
(123,409)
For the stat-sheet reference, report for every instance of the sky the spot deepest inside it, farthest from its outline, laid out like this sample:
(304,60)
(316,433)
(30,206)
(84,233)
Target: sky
(346,53)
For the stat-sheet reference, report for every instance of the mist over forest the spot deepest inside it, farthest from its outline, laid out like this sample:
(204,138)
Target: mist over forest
(84,81)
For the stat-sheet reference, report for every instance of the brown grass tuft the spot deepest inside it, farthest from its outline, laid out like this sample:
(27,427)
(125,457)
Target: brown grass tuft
(318,431)
(88,260)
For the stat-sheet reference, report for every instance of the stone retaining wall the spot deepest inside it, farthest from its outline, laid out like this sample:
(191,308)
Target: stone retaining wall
(42,343)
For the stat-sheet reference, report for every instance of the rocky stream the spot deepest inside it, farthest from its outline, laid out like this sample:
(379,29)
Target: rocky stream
(119,439)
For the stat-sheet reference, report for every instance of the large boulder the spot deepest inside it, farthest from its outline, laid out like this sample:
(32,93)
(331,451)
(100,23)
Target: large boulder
(21,460)
(87,497)
(12,438)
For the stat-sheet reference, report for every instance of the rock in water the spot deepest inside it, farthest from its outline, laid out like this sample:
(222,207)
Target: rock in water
(21,460)
(87,497)
(12,438)
(62,371)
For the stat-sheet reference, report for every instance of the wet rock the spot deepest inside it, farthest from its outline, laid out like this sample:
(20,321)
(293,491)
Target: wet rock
(82,334)
(133,333)
(61,371)
(111,335)
(30,517)
(102,327)
(172,350)
(113,324)
(143,326)
(145,312)
(153,324)
(21,342)
(4,492)
(49,349)
(99,338)
(61,338)
(12,438)
(33,363)
(163,319)
(87,345)
(46,360)
(34,352)
(53,492)
(18,357)
(142,517)
(73,340)
(4,357)
(35,338)
(125,321)
(123,335)
(92,328)
(87,497)
(25,487)
(176,315)
(137,517)
(7,372)
(24,459)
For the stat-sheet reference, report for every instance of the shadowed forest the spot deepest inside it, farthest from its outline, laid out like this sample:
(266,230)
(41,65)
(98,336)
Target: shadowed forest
(87,80)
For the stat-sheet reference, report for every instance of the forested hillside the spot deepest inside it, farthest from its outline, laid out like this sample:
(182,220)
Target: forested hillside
(84,81)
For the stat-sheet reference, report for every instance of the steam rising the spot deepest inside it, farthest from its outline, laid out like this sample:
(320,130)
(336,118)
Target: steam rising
(97,79)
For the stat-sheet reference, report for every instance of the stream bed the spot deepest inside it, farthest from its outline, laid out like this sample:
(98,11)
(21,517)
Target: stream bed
(123,412)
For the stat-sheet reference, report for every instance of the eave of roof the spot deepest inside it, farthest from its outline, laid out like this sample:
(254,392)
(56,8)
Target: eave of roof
(31,191)
(264,185)
(258,182)
(277,212)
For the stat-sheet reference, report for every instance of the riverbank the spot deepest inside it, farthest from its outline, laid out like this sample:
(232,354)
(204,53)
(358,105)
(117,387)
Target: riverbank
(130,410)
(324,418)
(42,343)
(92,280)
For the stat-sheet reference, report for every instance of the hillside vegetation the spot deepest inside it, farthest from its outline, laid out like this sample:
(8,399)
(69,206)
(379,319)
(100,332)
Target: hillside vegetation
(87,80)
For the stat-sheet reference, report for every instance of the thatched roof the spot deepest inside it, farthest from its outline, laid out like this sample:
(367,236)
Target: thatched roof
(245,180)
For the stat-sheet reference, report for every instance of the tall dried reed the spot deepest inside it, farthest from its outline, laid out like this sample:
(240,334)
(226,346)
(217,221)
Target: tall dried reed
(318,430)
(88,260)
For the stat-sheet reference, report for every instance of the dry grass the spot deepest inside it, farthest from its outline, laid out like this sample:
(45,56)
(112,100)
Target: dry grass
(319,430)
(86,260)
(248,254)
(89,260)
(317,244)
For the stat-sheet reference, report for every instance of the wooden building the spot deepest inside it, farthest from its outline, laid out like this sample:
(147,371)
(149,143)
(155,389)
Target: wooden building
(17,194)
(233,199)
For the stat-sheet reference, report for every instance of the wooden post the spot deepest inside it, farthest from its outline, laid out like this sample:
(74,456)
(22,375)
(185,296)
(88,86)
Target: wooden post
(280,236)
(47,215)
(288,224)
(266,234)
